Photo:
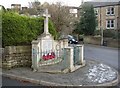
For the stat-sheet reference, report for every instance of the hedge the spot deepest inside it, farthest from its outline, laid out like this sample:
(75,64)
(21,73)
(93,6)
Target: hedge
(21,30)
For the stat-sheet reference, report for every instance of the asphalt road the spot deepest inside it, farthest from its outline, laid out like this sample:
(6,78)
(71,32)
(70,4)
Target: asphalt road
(103,54)
(12,82)
(108,56)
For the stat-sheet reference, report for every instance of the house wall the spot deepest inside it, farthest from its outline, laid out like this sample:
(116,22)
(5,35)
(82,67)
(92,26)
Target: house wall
(102,17)
(118,17)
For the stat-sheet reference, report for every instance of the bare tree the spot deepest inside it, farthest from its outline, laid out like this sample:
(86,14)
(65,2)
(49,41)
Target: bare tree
(36,4)
(35,7)
(60,15)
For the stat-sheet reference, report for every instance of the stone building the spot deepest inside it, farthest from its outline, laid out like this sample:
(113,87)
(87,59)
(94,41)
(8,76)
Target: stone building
(107,13)
(16,7)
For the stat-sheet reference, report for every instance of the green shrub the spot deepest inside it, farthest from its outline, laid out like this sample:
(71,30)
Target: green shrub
(53,31)
(21,30)
(97,32)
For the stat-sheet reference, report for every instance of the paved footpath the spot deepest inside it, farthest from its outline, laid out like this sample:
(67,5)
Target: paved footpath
(93,74)
(99,46)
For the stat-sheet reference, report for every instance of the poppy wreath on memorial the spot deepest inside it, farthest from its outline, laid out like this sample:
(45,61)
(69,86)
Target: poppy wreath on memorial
(49,56)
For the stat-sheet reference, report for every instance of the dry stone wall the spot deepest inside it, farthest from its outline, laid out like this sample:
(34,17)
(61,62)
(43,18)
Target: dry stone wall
(16,56)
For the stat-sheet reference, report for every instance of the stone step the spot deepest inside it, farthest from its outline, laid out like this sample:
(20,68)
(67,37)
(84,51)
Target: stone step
(58,68)
(55,68)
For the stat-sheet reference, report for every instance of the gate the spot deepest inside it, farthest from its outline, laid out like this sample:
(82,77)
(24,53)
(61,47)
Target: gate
(76,55)
(64,57)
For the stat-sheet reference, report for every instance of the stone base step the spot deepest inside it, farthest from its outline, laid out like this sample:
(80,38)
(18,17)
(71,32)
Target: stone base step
(59,68)
(76,67)
(50,71)
(55,68)
(50,62)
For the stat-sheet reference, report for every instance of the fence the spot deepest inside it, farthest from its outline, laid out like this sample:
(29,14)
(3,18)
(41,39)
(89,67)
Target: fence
(76,57)
(73,57)
(46,57)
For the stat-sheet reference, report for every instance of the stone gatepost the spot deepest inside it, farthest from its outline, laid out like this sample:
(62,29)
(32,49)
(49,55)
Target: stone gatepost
(69,58)
(35,55)
(65,42)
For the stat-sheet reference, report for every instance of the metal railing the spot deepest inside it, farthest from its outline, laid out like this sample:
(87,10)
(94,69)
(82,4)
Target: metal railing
(47,55)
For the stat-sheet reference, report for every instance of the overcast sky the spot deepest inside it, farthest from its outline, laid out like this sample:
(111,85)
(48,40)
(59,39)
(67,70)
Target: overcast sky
(7,3)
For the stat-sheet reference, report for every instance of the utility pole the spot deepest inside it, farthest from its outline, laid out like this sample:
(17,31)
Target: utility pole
(118,27)
(101,36)
(101,30)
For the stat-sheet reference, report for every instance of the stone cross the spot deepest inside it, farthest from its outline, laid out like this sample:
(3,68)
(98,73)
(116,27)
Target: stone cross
(46,15)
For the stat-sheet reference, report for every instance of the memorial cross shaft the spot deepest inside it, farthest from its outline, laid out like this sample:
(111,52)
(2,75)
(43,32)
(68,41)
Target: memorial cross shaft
(46,15)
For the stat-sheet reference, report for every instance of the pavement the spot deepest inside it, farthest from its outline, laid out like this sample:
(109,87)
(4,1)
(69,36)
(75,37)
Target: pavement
(100,46)
(92,74)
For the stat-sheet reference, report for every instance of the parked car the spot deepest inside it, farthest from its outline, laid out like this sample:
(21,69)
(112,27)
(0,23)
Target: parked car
(72,40)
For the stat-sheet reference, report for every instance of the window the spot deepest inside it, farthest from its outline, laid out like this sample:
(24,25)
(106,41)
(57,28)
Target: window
(110,24)
(96,12)
(110,11)
(76,15)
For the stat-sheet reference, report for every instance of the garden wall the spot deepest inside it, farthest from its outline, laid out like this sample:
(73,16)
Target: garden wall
(16,56)
(97,41)
(92,40)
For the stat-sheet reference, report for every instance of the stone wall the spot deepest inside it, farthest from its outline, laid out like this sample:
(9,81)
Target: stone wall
(16,56)
(113,43)
(97,41)
(92,40)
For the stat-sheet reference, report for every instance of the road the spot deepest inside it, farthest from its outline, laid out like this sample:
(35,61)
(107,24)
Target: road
(103,54)
(12,82)
(109,56)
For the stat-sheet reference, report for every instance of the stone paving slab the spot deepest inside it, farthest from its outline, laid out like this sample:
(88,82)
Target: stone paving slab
(85,76)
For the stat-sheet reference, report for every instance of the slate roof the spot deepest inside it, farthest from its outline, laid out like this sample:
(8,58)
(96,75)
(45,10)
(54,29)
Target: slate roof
(102,4)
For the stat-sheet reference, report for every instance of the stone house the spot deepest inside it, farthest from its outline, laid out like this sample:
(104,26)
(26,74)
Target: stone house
(108,14)
(16,7)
